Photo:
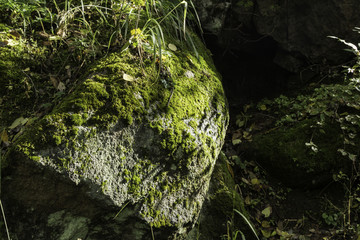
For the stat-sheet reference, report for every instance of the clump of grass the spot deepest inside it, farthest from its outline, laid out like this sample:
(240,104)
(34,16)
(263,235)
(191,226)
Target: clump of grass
(91,29)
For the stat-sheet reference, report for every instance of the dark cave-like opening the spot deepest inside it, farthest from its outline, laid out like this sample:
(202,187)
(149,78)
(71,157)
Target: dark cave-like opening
(248,72)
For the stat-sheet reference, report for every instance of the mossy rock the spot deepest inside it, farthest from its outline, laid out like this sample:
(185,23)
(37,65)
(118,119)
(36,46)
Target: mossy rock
(218,218)
(126,140)
(286,152)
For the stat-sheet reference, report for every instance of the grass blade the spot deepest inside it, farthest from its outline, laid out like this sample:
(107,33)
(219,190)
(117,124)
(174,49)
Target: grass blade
(249,224)
(5,223)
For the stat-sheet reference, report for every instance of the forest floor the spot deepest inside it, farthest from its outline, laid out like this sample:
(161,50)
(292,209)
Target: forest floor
(282,212)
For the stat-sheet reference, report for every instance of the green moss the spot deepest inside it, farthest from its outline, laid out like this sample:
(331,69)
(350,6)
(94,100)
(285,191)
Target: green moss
(57,139)
(77,119)
(135,185)
(35,158)
(226,198)
(104,186)
(285,153)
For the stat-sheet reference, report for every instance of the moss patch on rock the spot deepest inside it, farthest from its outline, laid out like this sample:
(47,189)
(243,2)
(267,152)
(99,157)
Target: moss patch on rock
(285,154)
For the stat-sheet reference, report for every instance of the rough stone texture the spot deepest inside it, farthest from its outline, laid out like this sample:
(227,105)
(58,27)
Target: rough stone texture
(213,14)
(217,214)
(300,28)
(118,159)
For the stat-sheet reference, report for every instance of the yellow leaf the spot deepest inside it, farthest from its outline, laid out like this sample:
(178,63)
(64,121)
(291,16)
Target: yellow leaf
(267,211)
(255,181)
(54,38)
(263,107)
(4,137)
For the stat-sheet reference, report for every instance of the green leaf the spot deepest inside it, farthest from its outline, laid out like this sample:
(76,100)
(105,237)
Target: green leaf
(262,107)
(267,211)
(352,157)
(17,122)
(240,123)
(266,233)
(236,141)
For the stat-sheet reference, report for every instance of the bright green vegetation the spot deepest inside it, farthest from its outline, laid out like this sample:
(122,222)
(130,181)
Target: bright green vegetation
(315,132)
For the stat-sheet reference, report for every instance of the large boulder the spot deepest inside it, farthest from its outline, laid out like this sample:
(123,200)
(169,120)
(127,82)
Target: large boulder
(128,154)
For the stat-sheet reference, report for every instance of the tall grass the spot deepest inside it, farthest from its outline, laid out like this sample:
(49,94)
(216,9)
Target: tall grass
(92,29)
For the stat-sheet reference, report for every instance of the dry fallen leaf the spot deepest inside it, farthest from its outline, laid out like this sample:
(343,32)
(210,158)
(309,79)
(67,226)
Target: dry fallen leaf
(54,81)
(128,77)
(172,47)
(189,74)
(61,87)
(4,137)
